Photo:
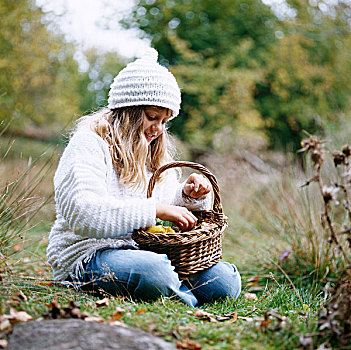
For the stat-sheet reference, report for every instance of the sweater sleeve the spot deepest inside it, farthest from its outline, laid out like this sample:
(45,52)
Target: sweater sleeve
(82,196)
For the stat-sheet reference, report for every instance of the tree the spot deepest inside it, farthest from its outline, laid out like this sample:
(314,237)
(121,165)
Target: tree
(38,74)
(210,27)
(94,84)
(216,95)
(306,85)
(215,49)
(240,65)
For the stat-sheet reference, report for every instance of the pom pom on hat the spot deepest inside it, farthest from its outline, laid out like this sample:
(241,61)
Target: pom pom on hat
(145,82)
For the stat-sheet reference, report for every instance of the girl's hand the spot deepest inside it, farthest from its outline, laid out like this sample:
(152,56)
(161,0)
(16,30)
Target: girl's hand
(181,216)
(196,186)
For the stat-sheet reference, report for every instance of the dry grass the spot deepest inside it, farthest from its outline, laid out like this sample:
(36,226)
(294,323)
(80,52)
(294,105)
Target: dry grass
(274,222)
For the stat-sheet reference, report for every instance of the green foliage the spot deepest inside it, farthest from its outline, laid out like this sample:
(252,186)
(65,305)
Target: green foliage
(41,84)
(93,85)
(37,70)
(240,66)
(215,94)
(306,85)
(211,27)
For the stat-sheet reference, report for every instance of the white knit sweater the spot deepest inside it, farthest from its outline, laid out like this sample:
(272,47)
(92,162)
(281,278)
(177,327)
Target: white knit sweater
(95,210)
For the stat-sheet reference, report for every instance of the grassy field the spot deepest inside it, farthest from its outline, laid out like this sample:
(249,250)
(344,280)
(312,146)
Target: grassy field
(274,237)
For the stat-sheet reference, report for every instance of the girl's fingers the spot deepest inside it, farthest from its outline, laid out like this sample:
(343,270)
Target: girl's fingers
(200,182)
(189,188)
(187,220)
(197,186)
(201,192)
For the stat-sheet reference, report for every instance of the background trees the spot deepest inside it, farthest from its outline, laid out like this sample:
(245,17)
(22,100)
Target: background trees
(245,69)
(37,70)
(259,72)
(42,86)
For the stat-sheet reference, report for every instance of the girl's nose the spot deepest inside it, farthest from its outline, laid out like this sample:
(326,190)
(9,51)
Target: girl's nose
(157,126)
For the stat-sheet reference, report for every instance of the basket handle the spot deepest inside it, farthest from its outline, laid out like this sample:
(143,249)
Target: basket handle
(217,207)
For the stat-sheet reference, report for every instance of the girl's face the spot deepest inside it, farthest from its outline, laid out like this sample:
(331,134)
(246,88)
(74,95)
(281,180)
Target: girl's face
(155,122)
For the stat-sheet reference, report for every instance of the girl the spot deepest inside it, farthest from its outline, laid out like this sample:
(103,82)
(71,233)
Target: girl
(100,194)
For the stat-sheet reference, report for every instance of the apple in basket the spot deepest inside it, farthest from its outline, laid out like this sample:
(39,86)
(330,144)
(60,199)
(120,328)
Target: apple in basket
(160,229)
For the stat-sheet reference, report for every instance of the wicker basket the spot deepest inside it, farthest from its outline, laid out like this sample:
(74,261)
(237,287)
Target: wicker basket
(189,251)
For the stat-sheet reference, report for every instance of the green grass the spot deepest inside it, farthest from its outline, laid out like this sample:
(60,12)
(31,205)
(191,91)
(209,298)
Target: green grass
(174,321)
(265,219)
(169,318)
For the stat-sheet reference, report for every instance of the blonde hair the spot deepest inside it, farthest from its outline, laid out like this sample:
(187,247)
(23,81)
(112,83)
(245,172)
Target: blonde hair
(132,156)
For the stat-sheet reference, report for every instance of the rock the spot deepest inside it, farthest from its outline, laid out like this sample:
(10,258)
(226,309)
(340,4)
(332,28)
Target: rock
(75,334)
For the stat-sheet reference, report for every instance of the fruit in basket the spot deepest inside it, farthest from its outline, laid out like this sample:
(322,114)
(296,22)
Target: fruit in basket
(160,229)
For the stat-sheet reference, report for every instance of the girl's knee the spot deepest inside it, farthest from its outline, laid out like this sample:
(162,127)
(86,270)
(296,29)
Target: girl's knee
(218,282)
(151,275)
(159,276)
(231,286)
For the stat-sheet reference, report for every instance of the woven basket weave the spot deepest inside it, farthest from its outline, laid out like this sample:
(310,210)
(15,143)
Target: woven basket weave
(189,251)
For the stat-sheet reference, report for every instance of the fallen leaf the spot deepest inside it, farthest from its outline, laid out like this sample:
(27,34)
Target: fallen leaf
(102,302)
(22,296)
(252,281)
(4,324)
(205,315)
(284,255)
(55,310)
(75,313)
(229,318)
(119,312)
(38,271)
(84,315)
(140,311)
(17,316)
(188,344)
(235,317)
(58,312)
(250,296)
(53,303)
(97,319)
(266,323)
(3,343)
(222,318)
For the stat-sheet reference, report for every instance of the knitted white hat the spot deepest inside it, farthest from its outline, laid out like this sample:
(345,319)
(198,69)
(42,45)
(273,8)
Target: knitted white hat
(145,82)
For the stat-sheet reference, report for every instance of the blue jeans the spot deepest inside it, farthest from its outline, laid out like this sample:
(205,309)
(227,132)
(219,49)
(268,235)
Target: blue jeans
(147,275)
